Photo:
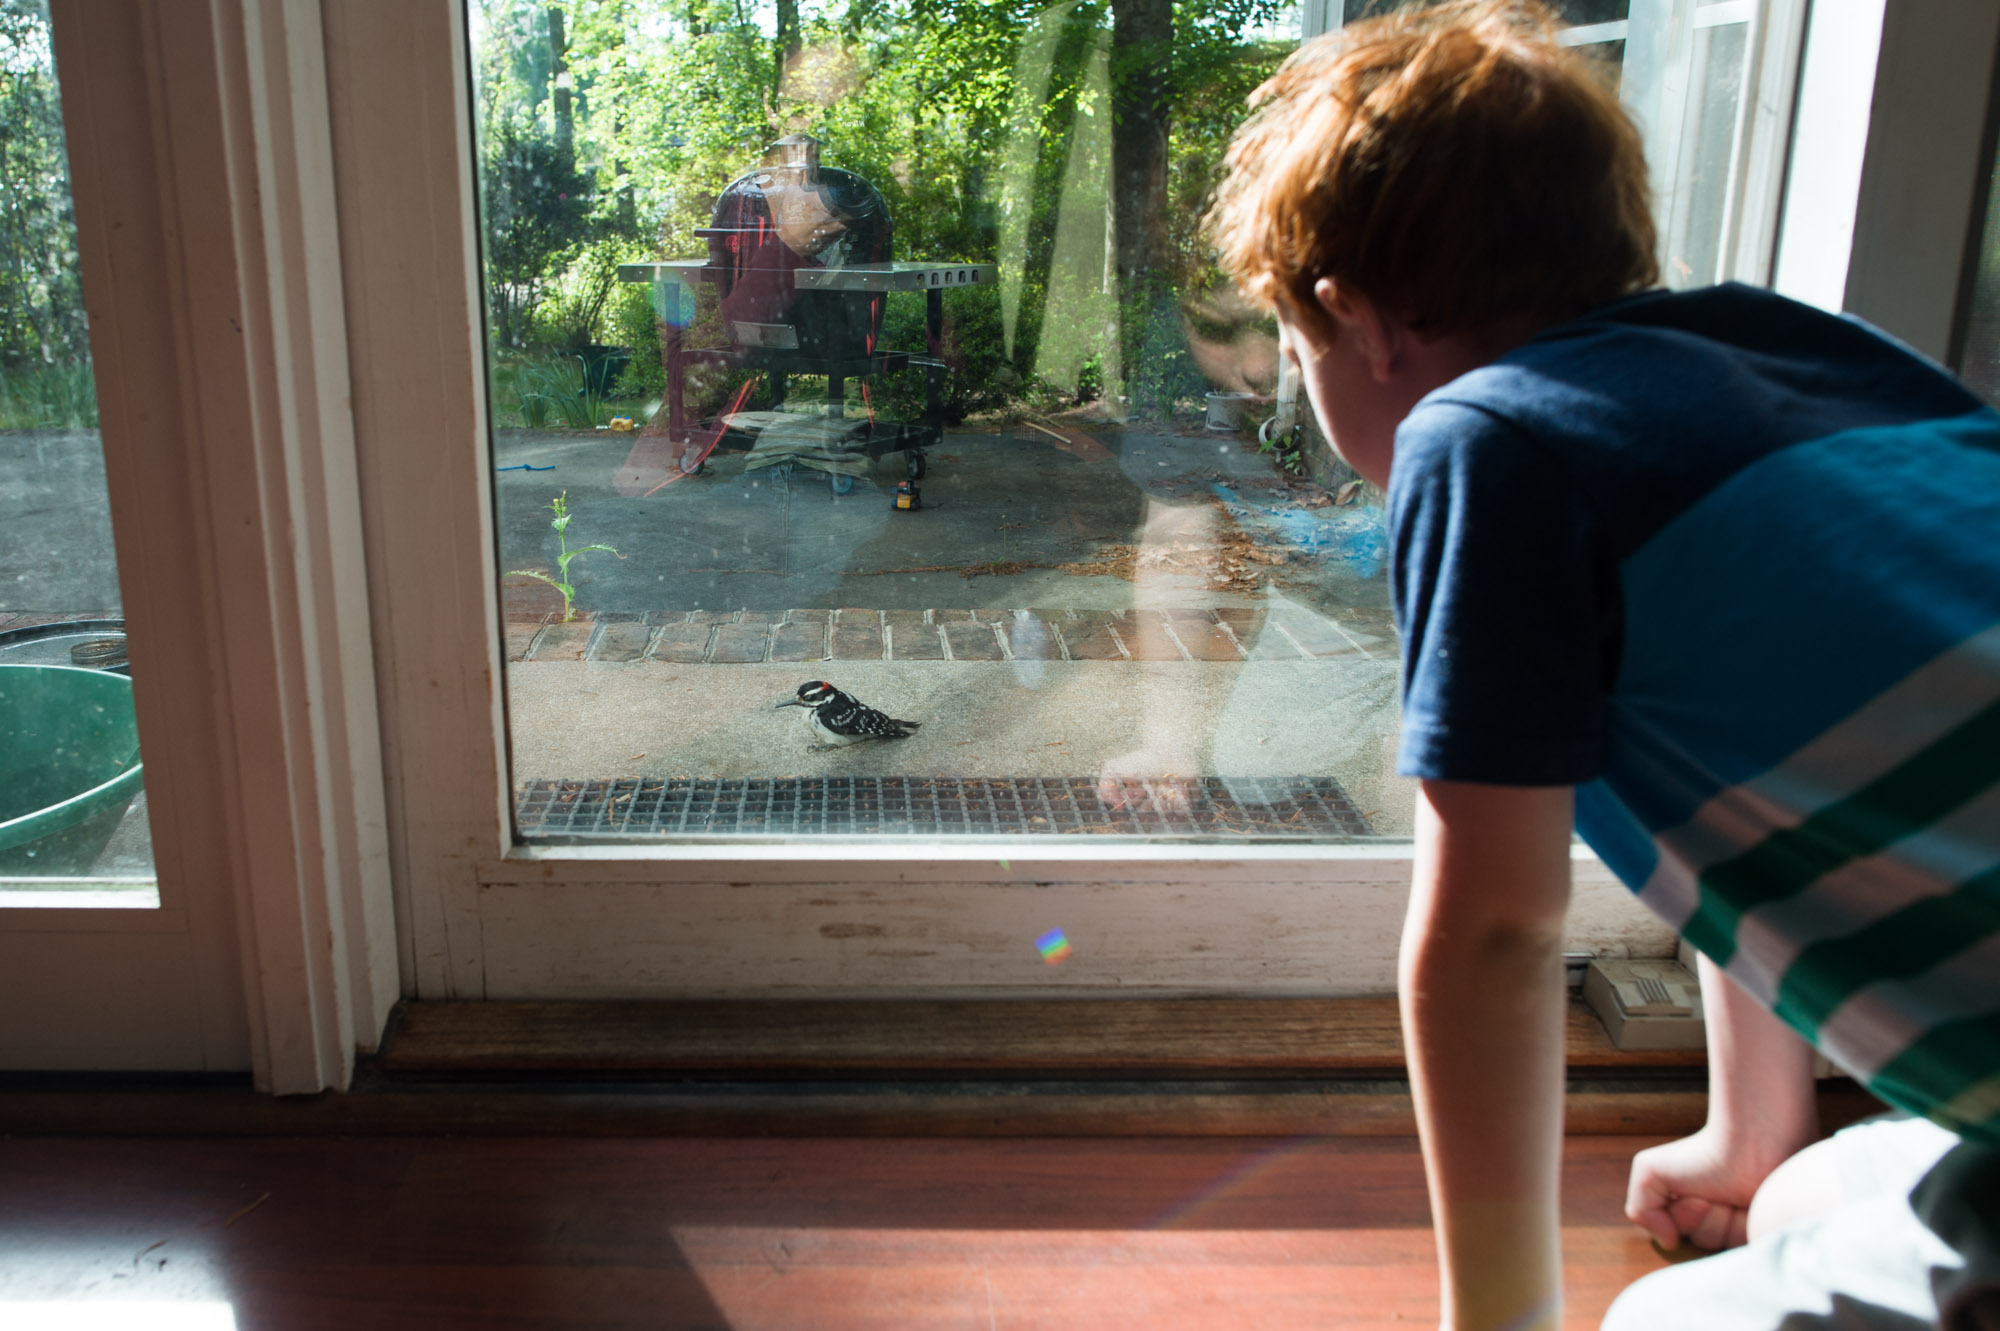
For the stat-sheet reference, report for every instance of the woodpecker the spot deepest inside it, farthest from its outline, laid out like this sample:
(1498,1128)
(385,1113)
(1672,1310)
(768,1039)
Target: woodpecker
(839,718)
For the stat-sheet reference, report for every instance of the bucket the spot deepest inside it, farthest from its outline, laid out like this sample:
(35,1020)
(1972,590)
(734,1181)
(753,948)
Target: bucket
(69,766)
(1230,411)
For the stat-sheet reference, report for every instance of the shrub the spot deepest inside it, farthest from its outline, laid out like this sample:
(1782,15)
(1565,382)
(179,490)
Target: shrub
(57,396)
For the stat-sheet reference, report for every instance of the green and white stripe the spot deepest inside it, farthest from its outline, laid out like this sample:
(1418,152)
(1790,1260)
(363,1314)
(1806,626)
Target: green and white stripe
(1856,888)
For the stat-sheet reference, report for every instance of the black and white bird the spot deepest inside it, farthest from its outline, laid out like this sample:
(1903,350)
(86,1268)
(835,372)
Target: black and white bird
(840,718)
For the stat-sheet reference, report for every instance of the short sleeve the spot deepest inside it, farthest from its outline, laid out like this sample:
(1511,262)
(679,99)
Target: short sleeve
(1506,595)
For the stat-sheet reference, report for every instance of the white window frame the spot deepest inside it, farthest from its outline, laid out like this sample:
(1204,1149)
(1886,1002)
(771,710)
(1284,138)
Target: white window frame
(483,918)
(1884,201)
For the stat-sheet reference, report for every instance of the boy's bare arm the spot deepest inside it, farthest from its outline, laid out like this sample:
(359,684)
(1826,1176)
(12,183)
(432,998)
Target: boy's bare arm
(1761,1110)
(1483,999)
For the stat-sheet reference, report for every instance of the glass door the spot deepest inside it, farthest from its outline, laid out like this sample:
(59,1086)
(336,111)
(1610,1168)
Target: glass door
(101,964)
(73,811)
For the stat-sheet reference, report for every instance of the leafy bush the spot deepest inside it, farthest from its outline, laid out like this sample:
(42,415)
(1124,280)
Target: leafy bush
(631,323)
(548,392)
(62,396)
(978,375)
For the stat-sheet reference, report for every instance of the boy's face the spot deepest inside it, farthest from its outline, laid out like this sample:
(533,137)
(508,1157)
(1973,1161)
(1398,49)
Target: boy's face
(1358,413)
(1364,369)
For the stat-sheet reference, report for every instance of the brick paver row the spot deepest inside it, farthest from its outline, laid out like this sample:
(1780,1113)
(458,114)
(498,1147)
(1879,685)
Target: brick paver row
(692,637)
(723,637)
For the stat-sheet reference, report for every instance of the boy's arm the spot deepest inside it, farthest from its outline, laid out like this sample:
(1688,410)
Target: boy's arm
(1761,1110)
(1483,1018)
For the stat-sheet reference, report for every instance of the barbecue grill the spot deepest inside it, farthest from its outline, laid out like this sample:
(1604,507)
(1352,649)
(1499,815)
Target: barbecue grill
(801,260)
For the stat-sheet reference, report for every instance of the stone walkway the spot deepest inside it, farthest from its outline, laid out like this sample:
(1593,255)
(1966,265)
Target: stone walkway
(708,637)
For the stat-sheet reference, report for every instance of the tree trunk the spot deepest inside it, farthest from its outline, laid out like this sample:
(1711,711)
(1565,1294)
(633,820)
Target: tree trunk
(565,129)
(1149,317)
(788,42)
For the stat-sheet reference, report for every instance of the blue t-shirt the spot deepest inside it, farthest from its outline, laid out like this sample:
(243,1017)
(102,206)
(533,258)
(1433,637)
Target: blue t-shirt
(1731,567)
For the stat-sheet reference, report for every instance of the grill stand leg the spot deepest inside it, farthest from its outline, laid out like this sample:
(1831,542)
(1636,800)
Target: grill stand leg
(676,367)
(934,373)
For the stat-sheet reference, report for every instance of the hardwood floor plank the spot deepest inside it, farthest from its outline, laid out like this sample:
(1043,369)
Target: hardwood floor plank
(990,1109)
(1053,1037)
(787,1234)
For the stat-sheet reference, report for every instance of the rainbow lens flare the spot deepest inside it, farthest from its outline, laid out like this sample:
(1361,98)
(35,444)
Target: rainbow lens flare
(1053,947)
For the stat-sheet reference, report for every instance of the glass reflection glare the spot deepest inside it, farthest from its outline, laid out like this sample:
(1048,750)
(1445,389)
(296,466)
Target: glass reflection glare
(115,1315)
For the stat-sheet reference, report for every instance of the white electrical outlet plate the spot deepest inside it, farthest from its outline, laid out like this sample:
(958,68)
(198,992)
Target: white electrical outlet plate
(1646,1004)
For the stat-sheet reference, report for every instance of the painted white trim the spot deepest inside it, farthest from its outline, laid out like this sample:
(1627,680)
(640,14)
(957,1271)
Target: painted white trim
(1829,141)
(416,345)
(1592,34)
(1925,169)
(1766,117)
(1883,188)
(1267,929)
(333,937)
(1317,17)
(1715,13)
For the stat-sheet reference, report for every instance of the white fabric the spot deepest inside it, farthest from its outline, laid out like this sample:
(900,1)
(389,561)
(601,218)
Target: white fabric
(1873,1264)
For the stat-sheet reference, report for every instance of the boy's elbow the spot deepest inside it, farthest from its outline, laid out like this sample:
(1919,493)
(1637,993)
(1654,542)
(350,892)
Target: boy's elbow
(1492,872)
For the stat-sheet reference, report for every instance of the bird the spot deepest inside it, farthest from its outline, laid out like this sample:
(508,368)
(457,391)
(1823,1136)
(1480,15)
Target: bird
(840,718)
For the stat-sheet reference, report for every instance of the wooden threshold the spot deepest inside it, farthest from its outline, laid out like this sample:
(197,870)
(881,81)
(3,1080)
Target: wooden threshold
(1151,1037)
(787,1068)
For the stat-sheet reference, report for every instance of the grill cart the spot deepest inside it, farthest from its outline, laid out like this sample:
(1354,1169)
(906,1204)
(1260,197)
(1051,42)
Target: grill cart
(799,256)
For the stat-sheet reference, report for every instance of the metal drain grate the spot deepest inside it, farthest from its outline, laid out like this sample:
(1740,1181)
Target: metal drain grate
(1285,807)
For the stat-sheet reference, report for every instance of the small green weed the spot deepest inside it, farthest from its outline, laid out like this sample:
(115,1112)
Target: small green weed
(1288,451)
(561,582)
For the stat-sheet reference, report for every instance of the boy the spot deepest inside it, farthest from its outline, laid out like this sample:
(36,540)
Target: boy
(1714,578)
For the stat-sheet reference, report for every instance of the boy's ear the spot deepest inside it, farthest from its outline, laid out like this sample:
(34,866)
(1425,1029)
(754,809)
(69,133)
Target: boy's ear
(1362,319)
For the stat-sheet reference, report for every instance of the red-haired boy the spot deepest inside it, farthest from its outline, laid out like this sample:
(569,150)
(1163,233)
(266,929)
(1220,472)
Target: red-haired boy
(1713,578)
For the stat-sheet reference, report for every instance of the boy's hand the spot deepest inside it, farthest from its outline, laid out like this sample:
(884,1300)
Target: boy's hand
(1761,1110)
(1692,1189)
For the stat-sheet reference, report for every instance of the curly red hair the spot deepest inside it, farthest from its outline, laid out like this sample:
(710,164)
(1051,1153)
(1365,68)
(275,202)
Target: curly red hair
(1453,164)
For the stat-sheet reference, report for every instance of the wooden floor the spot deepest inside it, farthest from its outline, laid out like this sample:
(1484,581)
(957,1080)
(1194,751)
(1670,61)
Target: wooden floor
(293,1234)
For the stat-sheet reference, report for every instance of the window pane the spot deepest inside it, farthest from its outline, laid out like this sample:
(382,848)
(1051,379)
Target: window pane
(1711,145)
(867,345)
(72,806)
(872,353)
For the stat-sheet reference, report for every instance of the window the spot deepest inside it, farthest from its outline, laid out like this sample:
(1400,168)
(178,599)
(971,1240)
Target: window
(876,354)
(72,798)
(871,361)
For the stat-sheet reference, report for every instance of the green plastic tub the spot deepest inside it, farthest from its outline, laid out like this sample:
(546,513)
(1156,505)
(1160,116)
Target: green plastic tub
(69,766)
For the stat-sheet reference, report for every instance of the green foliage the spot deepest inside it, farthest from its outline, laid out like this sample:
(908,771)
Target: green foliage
(61,396)
(44,342)
(560,525)
(560,391)
(551,392)
(631,323)
(985,124)
(979,376)
(1288,450)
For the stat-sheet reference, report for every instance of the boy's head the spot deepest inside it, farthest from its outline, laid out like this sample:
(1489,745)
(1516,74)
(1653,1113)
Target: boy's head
(1454,165)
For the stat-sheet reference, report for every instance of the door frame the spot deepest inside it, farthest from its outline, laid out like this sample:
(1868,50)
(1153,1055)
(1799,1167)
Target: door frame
(197,136)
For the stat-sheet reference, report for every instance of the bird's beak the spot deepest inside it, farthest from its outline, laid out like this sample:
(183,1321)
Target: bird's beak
(789,702)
